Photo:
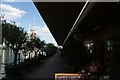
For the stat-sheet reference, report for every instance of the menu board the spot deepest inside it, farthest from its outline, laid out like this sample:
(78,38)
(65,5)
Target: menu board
(64,76)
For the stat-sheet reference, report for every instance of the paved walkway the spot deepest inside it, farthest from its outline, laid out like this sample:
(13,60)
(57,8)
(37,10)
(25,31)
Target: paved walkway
(55,64)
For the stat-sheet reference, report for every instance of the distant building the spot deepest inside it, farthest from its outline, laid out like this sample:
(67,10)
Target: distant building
(32,34)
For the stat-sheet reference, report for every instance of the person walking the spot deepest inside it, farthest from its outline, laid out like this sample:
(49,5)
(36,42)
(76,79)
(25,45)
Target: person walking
(94,70)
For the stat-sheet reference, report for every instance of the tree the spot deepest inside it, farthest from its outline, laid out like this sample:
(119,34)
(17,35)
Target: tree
(36,42)
(50,49)
(36,45)
(29,47)
(13,37)
(42,46)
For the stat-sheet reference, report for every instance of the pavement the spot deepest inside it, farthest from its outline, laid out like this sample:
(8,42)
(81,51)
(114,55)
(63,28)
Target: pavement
(54,64)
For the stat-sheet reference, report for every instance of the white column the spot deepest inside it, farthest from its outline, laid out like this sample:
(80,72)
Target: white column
(0,58)
(2,71)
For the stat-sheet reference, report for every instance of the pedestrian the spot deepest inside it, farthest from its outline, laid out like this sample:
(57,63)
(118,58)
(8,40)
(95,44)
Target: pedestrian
(94,70)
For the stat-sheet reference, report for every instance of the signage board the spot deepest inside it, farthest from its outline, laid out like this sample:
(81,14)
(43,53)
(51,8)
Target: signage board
(68,76)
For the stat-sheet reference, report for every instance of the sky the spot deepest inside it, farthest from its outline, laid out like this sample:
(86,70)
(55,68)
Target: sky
(26,15)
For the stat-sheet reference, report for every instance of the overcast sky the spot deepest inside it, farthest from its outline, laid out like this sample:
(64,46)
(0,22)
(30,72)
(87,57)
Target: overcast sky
(25,14)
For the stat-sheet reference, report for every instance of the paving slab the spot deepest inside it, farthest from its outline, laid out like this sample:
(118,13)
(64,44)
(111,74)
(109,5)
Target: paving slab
(55,64)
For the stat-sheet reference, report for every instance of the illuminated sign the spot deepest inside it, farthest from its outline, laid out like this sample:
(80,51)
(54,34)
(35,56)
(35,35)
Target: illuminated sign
(63,76)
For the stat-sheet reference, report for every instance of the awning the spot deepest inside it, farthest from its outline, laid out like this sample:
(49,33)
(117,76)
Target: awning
(61,16)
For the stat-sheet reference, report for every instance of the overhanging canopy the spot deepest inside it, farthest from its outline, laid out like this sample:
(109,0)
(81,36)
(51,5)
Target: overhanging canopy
(60,17)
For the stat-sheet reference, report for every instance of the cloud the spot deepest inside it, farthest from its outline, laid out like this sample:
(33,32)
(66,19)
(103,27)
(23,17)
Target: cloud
(16,0)
(43,30)
(44,33)
(11,13)
(8,1)
(18,23)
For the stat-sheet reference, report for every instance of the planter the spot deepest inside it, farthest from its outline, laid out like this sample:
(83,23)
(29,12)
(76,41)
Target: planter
(13,71)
